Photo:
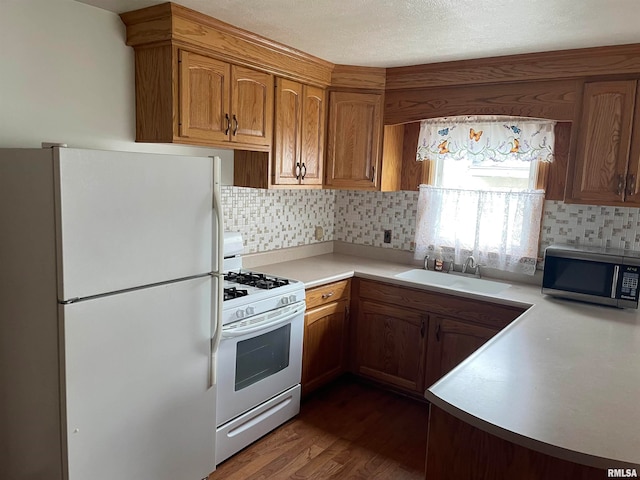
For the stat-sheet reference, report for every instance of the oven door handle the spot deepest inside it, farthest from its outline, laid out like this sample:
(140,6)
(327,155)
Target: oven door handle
(264,321)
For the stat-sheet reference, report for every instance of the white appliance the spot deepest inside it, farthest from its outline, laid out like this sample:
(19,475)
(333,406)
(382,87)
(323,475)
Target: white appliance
(260,356)
(109,299)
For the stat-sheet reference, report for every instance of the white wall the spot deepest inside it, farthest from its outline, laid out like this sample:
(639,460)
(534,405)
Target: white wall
(67,76)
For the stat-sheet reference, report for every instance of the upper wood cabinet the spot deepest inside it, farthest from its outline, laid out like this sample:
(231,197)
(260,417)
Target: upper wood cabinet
(299,133)
(607,157)
(204,98)
(211,102)
(354,140)
(220,102)
(204,82)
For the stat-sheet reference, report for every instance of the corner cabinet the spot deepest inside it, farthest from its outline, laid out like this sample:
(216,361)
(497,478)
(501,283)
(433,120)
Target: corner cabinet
(298,150)
(354,138)
(326,333)
(607,156)
(391,344)
(408,338)
(450,342)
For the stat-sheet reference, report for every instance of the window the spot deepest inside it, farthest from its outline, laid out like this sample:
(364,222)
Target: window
(483,201)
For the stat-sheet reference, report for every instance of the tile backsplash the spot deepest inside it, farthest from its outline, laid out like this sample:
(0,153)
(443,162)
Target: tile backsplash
(617,227)
(362,217)
(274,219)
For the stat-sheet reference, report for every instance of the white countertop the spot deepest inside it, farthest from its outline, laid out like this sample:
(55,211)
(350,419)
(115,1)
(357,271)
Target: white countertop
(563,378)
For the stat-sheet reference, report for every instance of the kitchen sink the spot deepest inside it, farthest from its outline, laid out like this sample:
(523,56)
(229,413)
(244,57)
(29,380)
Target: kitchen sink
(453,281)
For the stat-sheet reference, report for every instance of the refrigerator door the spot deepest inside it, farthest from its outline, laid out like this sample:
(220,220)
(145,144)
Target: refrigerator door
(136,366)
(130,219)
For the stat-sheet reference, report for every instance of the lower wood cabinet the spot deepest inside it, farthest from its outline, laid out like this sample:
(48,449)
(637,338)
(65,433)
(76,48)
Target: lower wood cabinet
(326,334)
(450,342)
(401,337)
(409,338)
(391,344)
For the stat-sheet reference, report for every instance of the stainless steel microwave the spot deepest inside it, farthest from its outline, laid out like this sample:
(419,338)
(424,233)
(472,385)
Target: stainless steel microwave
(592,274)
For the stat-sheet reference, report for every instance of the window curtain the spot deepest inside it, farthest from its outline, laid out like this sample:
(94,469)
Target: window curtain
(486,138)
(499,228)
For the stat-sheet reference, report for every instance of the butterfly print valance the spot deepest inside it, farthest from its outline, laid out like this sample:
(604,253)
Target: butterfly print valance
(486,138)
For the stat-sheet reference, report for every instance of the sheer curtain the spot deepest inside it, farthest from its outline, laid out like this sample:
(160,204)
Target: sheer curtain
(499,228)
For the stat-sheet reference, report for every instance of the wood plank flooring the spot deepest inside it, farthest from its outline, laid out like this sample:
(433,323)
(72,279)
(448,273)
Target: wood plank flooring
(347,430)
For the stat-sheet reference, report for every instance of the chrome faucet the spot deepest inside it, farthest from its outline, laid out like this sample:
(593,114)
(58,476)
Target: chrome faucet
(470,262)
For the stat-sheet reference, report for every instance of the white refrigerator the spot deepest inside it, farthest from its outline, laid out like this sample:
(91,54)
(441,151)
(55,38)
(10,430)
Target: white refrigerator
(110,294)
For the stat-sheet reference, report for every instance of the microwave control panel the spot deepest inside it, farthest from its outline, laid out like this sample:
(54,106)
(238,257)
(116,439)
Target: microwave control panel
(629,284)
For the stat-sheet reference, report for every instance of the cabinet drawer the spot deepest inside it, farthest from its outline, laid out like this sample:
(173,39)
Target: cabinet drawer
(331,292)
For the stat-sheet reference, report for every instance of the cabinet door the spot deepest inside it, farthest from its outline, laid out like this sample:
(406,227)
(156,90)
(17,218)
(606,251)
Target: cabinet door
(391,344)
(287,135)
(450,342)
(353,143)
(603,142)
(204,97)
(312,140)
(325,344)
(632,191)
(251,106)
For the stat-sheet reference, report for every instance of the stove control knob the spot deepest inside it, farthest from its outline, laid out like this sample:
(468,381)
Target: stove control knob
(284,301)
(292,298)
(239,313)
(250,310)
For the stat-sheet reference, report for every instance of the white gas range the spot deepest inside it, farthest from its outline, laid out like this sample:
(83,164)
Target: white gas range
(259,362)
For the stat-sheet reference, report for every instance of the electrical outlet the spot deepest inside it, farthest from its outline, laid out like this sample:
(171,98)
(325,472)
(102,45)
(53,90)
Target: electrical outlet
(387,236)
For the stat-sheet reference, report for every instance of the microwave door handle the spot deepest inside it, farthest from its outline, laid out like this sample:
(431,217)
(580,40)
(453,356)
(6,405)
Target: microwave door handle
(614,282)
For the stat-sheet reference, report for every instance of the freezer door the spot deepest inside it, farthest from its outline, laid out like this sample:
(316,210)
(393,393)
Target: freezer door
(138,404)
(130,219)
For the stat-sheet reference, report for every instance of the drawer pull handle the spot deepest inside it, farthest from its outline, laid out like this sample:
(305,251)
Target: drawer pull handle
(438,333)
(327,295)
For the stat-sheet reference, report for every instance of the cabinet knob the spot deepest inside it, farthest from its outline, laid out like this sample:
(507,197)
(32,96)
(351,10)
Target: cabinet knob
(304,170)
(438,333)
(422,328)
(226,130)
(297,170)
(327,295)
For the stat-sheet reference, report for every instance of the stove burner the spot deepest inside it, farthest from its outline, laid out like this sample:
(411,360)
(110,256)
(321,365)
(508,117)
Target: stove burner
(258,280)
(233,292)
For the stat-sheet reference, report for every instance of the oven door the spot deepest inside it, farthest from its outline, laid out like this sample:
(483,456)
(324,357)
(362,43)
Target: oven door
(258,358)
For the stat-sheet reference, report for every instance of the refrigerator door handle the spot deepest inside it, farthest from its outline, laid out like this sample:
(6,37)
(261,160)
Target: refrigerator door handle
(217,258)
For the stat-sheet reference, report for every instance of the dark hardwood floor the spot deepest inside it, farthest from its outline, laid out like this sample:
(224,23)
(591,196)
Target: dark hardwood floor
(347,430)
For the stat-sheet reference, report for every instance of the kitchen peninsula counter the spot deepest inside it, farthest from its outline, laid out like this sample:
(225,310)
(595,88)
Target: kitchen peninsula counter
(562,379)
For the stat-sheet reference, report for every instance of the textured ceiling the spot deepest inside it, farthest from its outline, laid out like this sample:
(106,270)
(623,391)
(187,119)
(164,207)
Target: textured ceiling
(387,33)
